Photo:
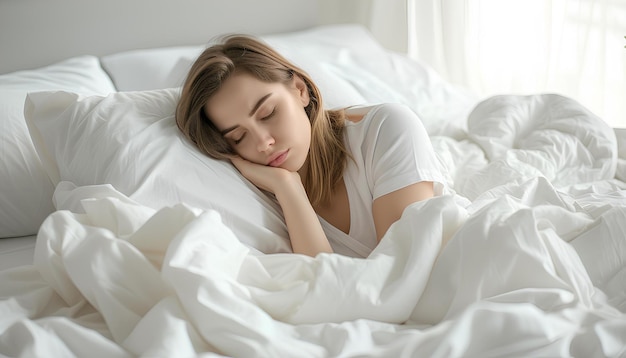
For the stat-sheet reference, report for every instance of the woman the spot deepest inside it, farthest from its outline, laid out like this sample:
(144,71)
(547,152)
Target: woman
(344,175)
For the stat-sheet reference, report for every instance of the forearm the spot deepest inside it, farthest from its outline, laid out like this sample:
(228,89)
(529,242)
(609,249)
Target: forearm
(305,231)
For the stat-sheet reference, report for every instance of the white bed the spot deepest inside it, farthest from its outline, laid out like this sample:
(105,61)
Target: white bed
(120,239)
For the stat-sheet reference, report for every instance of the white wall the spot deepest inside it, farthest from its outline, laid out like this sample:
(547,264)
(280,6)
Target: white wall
(386,19)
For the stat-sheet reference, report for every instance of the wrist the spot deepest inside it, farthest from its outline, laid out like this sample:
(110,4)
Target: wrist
(288,185)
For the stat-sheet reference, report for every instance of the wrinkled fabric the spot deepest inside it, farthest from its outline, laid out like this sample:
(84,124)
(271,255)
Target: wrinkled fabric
(527,257)
(177,282)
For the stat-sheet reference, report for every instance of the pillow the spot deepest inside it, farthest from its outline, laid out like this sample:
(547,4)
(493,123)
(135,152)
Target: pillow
(130,140)
(25,189)
(149,69)
(312,50)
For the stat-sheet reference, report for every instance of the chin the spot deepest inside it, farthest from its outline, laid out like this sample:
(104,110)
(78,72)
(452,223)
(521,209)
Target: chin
(295,169)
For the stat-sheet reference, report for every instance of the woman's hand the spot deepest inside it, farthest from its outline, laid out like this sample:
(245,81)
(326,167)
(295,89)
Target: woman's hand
(305,232)
(263,176)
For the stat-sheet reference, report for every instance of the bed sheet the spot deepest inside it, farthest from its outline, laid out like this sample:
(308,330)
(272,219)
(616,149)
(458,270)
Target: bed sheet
(526,258)
(124,279)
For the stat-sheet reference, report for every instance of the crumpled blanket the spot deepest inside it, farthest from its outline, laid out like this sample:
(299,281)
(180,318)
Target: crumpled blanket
(123,279)
(516,138)
(533,265)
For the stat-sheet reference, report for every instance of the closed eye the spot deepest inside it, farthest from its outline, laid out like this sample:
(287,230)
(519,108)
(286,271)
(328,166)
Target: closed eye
(237,141)
(269,115)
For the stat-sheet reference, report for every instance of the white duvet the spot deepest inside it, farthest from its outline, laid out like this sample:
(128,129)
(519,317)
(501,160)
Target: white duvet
(535,265)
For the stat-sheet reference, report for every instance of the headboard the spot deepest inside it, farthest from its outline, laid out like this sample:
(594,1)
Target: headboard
(35,33)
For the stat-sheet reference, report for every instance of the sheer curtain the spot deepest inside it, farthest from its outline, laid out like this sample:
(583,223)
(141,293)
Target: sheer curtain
(571,47)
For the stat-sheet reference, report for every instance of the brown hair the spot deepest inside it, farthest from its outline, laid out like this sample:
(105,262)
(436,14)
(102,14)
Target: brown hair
(327,155)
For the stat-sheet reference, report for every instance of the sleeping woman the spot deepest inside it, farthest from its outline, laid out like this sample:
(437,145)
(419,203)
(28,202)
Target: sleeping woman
(341,177)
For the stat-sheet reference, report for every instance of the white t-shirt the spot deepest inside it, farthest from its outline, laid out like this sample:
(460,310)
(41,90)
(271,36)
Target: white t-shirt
(391,150)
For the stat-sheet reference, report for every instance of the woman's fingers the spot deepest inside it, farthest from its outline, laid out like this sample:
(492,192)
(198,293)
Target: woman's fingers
(259,175)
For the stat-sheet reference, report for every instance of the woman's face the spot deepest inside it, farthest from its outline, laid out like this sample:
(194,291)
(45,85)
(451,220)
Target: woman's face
(265,123)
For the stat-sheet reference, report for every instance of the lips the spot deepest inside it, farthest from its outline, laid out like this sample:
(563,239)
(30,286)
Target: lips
(278,158)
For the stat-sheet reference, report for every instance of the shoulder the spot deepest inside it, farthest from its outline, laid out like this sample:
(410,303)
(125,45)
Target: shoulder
(395,112)
(389,119)
(384,130)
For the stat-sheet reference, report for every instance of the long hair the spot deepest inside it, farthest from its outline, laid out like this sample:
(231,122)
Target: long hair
(327,155)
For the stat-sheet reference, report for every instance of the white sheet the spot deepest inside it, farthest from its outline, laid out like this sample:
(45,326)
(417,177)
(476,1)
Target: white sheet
(515,138)
(123,279)
(531,267)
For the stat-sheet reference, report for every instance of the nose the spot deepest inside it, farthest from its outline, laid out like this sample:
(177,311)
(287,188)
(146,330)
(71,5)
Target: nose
(264,140)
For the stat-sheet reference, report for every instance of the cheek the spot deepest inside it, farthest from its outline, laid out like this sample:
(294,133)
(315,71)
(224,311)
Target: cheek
(305,127)
(248,152)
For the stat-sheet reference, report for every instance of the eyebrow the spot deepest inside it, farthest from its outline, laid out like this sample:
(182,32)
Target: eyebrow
(254,109)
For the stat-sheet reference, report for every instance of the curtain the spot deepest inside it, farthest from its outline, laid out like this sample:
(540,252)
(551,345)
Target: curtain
(571,47)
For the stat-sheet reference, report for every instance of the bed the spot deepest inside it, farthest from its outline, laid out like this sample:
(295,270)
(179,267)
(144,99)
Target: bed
(120,239)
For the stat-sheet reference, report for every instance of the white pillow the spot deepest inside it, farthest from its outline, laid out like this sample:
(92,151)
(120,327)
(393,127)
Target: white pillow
(25,190)
(149,69)
(130,140)
(318,51)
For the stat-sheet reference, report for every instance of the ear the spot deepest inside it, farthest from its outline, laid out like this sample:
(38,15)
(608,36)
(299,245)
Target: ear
(303,90)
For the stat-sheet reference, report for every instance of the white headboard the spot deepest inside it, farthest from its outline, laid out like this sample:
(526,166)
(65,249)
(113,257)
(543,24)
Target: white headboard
(35,33)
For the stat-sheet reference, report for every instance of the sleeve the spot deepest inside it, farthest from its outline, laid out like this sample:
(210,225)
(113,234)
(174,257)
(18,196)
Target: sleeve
(399,151)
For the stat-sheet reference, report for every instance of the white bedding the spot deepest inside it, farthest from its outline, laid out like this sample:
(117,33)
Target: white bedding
(526,258)
(528,270)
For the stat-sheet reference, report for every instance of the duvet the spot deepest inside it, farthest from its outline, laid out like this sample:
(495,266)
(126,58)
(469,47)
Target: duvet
(526,256)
